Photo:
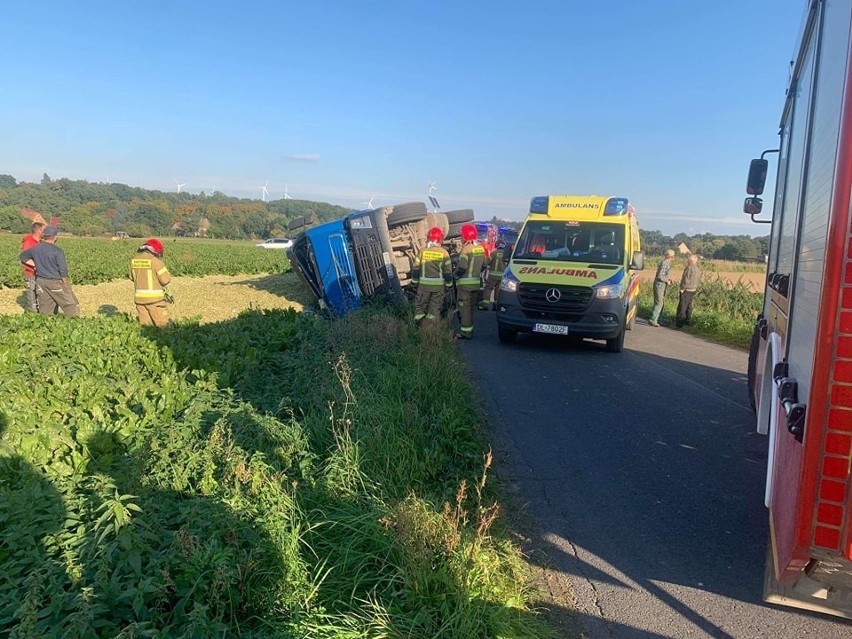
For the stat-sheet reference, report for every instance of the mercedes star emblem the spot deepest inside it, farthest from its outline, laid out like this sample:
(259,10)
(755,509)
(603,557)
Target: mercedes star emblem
(553,295)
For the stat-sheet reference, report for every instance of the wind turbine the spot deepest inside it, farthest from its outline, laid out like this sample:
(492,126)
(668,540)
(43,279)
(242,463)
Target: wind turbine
(432,187)
(264,192)
(179,185)
(286,196)
(368,205)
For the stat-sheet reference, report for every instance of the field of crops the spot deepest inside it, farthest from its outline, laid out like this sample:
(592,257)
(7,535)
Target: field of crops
(270,476)
(724,311)
(92,260)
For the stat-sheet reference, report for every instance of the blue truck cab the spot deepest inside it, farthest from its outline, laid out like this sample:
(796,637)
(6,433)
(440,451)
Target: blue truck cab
(346,262)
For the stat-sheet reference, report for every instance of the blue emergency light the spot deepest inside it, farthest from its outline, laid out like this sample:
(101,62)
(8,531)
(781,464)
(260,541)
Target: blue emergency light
(539,204)
(616,206)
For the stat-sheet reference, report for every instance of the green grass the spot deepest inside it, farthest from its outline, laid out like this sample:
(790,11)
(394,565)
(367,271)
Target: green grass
(722,312)
(271,476)
(92,260)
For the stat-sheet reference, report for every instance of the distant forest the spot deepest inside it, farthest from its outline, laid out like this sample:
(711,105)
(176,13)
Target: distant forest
(94,208)
(741,248)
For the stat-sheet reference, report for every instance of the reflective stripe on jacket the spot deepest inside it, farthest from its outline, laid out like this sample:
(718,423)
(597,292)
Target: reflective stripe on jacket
(496,265)
(471,260)
(432,266)
(149,276)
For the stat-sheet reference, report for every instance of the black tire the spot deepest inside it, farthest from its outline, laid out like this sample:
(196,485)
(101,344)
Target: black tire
(454,230)
(752,363)
(407,213)
(506,335)
(616,344)
(459,216)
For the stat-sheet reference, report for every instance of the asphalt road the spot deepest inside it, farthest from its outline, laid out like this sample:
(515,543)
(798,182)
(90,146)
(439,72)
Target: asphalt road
(644,477)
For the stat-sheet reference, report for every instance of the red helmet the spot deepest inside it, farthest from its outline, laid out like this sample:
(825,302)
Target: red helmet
(469,233)
(153,246)
(435,235)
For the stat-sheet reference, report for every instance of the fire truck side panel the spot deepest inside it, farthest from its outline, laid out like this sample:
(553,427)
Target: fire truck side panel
(821,519)
(784,493)
(808,315)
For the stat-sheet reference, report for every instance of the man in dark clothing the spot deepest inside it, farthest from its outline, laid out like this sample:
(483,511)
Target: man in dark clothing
(688,285)
(53,290)
(28,242)
(471,260)
(496,265)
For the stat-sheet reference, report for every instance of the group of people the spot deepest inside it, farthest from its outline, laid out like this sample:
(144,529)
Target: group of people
(49,289)
(436,273)
(688,286)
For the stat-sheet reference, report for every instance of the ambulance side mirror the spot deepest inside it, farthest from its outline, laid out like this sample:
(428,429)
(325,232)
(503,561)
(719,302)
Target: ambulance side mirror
(638,262)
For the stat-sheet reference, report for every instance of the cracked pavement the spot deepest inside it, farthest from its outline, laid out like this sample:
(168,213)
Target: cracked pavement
(643,477)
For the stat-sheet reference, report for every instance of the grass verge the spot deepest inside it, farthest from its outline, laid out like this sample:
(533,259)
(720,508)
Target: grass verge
(723,312)
(269,476)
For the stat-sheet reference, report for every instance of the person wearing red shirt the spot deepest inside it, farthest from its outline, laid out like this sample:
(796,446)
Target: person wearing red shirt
(29,241)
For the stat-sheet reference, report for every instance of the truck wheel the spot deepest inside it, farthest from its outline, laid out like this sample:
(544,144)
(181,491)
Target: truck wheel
(506,335)
(459,216)
(454,230)
(438,220)
(616,344)
(407,213)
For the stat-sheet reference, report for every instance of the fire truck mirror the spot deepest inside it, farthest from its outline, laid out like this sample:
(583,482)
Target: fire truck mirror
(757,176)
(752,205)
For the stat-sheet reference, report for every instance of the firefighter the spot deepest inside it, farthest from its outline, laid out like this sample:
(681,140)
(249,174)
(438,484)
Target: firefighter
(495,273)
(433,273)
(471,260)
(151,281)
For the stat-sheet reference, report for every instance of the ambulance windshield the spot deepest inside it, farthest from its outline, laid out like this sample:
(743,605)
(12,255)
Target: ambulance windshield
(587,242)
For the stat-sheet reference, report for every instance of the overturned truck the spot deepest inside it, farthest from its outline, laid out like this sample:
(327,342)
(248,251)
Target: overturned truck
(369,255)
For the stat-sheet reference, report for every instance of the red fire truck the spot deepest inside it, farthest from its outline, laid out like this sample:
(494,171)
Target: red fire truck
(800,362)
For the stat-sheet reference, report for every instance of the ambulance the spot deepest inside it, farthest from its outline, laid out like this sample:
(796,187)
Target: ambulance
(574,271)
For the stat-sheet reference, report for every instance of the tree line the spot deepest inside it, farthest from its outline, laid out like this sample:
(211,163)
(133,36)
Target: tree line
(95,208)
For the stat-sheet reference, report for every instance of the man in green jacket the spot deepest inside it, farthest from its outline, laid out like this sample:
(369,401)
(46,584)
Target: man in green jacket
(496,265)
(688,285)
(662,280)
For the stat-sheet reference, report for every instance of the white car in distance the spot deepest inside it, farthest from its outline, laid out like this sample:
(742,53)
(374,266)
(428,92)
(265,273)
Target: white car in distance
(276,243)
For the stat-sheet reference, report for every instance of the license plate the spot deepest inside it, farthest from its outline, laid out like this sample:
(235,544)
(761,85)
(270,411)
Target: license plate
(553,329)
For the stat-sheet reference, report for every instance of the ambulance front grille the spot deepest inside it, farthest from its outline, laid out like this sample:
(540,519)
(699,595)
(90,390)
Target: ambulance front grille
(555,299)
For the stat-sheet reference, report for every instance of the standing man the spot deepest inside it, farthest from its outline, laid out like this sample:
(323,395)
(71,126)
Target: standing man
(433,273)
(150,280)
(661,280)
(688,285)
(28,242)
(495,273)
(471,260)
(52,288)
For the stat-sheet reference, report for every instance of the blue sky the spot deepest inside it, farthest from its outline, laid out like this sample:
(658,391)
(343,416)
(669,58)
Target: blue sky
(661,101)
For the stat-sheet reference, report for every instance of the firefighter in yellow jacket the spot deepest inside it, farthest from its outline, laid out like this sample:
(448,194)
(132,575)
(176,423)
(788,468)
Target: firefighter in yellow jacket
(496,265)
(433,274)
(151,279)
(467,272)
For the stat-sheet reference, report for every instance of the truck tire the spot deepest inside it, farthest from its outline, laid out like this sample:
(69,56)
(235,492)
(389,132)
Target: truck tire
(454,230)
(506,335)
(438,220)
(459,216)
(298,223)
(616,344)
(406,213)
